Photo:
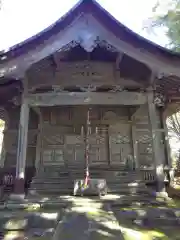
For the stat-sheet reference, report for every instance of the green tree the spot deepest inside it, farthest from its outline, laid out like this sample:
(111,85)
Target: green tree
(166,15)
(173,123)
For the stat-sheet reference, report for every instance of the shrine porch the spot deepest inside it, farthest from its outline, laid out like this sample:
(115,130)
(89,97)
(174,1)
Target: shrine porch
(120,137)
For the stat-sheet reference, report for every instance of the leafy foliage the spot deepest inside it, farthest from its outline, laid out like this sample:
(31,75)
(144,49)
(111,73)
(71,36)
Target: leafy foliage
(167,16)
(173,123)
(2,123)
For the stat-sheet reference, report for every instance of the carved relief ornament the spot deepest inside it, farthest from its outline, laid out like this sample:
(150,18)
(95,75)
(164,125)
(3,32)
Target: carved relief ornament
(159,100)
(89,44)
(88,88)
(117,88)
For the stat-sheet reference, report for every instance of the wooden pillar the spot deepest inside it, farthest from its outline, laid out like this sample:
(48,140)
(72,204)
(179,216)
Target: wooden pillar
(167,147)
(156,141)
(166,138)
(38,149)
(134,138)
(134,144)
(22,149)
(39,142)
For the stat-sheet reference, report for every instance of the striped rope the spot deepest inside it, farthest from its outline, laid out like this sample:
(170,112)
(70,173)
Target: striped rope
(87,147)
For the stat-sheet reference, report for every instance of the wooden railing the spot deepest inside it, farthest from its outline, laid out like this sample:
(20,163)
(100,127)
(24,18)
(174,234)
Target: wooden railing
(7,178)
(148,175)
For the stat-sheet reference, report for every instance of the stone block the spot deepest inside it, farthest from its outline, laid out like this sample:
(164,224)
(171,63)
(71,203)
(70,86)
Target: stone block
(94,187)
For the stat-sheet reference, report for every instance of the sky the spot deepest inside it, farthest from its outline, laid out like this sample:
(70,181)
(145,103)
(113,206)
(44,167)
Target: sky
(21,19)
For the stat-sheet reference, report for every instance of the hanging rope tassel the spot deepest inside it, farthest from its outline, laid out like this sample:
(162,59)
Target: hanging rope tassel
(87,175)
(87,178)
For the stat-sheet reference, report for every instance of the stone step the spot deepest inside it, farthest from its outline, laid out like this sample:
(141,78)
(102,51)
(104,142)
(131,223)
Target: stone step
(118,187)
(50,192)
(69,190)
(108,179)
(136,201)
(104,173)
(71,181)
(148,217)
(62,179)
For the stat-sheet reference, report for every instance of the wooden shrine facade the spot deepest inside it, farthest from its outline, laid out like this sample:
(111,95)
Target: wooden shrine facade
(88,61)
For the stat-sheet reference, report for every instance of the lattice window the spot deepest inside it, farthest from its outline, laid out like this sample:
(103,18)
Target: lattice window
(58,155)
(48,156)
(53,156)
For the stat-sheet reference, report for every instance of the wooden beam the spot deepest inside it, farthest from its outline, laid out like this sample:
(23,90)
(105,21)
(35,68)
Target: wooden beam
(86,98)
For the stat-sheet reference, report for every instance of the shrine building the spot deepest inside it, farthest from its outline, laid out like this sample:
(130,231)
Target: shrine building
(87,61)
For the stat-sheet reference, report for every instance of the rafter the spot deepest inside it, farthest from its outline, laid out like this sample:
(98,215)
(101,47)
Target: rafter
(119,59)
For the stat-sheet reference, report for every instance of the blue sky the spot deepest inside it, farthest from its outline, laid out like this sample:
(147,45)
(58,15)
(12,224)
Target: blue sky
(20,19)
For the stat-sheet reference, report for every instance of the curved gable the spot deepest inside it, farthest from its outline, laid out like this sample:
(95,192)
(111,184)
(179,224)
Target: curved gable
(85,24)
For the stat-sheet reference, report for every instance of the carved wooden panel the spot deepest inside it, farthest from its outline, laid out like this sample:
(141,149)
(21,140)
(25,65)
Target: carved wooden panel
(86,98)
(85,73)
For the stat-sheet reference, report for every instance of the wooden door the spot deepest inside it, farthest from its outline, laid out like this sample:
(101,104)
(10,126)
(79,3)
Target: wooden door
(98,141)
(52,152)
(74,150)
(120,144)
(62,146)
